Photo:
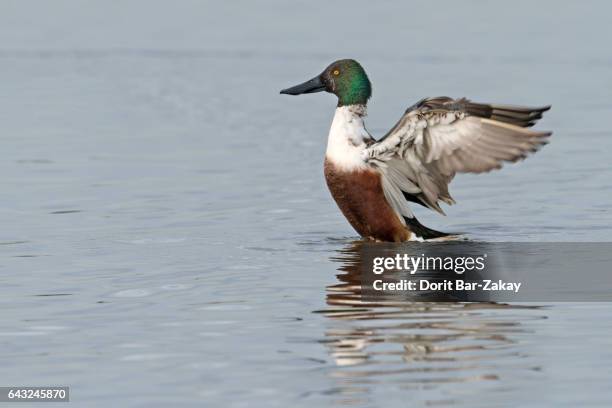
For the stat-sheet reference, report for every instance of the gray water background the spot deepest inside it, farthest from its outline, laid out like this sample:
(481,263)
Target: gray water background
(168,240)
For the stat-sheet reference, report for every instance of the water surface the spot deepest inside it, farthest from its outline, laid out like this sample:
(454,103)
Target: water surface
(167,237)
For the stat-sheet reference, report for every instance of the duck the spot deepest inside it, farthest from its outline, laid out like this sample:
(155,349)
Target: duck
(374,182)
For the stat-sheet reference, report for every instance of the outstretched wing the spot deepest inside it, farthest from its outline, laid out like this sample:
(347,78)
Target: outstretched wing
(439,137)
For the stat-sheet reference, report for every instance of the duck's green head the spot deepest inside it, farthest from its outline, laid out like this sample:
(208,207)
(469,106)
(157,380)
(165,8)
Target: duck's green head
(345,78)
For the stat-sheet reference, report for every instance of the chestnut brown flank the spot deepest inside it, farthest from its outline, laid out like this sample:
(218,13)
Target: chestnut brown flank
(360,196)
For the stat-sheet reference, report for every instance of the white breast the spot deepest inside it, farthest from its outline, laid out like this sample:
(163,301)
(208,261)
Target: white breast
(347,138)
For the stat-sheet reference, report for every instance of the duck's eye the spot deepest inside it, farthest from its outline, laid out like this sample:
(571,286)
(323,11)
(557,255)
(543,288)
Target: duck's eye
(336,72)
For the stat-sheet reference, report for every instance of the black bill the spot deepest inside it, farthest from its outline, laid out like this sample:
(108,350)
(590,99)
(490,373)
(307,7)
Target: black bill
(312,86)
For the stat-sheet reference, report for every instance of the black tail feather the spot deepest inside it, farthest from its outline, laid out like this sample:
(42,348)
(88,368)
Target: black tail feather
(422,231)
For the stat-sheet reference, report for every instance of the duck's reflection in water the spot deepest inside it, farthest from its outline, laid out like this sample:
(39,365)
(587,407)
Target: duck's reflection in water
(418,345)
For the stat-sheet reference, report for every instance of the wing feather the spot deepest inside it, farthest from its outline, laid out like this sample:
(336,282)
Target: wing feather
(439,137)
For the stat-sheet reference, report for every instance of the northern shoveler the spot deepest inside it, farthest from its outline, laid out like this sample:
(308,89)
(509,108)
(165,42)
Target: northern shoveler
(373,181)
